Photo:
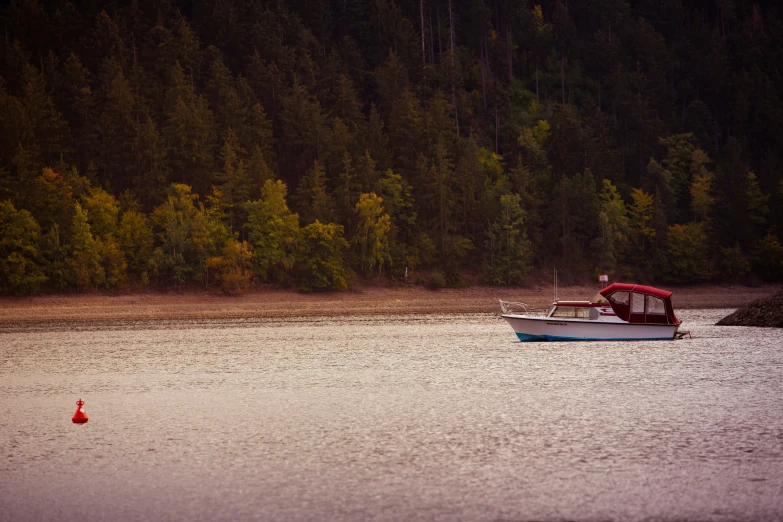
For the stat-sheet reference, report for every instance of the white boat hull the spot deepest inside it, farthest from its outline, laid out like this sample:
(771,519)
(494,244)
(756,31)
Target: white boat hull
(559,329)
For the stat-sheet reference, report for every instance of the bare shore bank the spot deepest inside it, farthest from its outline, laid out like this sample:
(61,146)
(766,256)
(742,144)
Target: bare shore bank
(287,303)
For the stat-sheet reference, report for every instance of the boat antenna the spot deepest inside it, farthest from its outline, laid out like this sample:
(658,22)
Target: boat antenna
(555,289)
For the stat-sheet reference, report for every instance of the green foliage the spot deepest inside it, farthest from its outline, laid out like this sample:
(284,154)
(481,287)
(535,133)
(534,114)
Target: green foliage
(232,180)
(372,233)
(55,258)
(190,131)
(687,257)
(702,199)
(136,241)
(232,268)
(758,207)
(768,258)
(112,261)
(640,215)
(615,227)
(51,201)
(84,264)
(273,232)
(321,257)
(576,211)
(508,253)
(102,210)
(189,235)
(732,263)
(677,162)
(19,237)
(313,198)
(339,99)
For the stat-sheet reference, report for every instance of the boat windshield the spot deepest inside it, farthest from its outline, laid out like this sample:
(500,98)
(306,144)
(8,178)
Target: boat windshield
(571,311)
(599,299)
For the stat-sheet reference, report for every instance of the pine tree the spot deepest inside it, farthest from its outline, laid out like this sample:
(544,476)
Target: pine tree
(313,198)
(372,233)
(80,110)
(151,163)
(508,253)
(232,180)
(641,214)
(321,257)
(702,199)
(84,264)
(136,241)
(54,256)
(43,119)
(177,218)
(19,255)
(614,224)
(118,131)
(189,132)
(273,232)
(234,111)
(304,126)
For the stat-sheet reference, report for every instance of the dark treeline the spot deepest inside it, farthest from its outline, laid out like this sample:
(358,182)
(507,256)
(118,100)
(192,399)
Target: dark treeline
(304,142)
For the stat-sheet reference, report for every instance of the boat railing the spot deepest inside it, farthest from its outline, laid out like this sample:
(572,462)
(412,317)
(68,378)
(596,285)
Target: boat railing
(519,308)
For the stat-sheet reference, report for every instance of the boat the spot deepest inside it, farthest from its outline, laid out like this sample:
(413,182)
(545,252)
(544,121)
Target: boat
(619,312)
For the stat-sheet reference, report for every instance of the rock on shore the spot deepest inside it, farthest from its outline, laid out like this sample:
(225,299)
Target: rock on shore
(767,311)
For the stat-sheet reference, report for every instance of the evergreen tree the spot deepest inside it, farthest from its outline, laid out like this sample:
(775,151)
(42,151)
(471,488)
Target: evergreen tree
(232,179)
(313,198)
(304,126)
(136,242)
(614,223)
(641,213)
(508,253)
(687,257)
(273,232)
(151,163)
(457,102)
(54,256)
(190,132)
(232,267)
(19,255)
(118,131)
(179,257)
(701,186)
(84,264)
(320,257)
(372,233)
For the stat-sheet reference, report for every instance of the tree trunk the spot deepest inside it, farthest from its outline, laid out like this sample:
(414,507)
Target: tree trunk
(497,128)
(380,37)
(599,93)
(510,56)
(453,72)
(432,44)
(423,53)
(562,76)
(483,75)
(537,99)
(440,41)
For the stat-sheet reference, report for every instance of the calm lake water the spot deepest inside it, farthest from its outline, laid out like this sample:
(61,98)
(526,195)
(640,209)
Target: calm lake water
(388,418)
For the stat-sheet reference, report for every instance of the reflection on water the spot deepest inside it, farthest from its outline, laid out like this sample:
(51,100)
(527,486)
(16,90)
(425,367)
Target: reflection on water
(388,418)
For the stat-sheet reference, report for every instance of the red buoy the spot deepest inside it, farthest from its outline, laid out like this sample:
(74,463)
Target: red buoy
(80,417)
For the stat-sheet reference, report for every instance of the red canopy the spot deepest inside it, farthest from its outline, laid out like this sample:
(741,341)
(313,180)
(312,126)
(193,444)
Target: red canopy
(643,314)
(615,287)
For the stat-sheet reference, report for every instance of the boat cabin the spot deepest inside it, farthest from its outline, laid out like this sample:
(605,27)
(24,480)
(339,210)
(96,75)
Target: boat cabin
(640,304)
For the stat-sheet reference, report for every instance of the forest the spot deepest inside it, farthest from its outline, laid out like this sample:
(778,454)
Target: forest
(321,144)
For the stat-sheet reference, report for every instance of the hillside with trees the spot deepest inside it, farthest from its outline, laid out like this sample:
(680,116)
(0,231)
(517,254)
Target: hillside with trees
(319,143)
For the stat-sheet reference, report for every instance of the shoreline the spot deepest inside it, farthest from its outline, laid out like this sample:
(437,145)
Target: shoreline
(278,303)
